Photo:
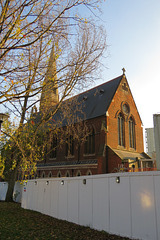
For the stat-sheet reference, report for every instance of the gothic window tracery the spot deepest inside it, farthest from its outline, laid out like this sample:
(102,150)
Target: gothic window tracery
(70,146)
(121,137)
(53,149)
(132,133)
(90,143)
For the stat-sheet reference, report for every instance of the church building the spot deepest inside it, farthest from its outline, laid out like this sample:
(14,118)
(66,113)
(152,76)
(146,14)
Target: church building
(115,139)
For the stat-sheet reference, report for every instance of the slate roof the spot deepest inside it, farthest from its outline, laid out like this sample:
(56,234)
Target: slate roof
(68,163)
(96,101)
(125,155)
(91,104)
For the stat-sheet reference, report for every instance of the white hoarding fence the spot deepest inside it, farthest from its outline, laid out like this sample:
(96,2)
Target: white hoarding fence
(17,194)
(126,204)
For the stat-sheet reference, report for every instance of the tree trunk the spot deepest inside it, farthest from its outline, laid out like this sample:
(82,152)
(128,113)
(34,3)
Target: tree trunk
(11,183)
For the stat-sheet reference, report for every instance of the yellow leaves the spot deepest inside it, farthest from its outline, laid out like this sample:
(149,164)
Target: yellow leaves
(57,56)
(49,42)
(23,182)
(13,164)
(82,19)
(32,172)
(56,44)
(1,166)
(22,56)
(12,82)
(18,30)
(6,80)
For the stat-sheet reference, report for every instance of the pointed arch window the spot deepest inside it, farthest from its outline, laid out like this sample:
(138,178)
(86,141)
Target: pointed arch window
(36,176)
(90,143)
(67,174)
(89,172)
(50,174)
(70,146)
(59,174)
(78,173)
(43,174)
(53,150)
(121,137)
(132,141)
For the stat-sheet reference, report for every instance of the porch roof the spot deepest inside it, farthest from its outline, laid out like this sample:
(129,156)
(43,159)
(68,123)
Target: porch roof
(128,155)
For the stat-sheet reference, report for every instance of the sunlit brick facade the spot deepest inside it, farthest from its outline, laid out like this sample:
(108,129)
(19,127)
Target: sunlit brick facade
(116,139)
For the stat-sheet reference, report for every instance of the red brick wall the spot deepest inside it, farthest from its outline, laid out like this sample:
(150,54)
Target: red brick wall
(99,140)
(97,123)
(114,161)
(104,138)
(120,97)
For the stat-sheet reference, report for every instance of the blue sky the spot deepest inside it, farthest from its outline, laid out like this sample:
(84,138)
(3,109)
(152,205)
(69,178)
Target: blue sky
(133,39)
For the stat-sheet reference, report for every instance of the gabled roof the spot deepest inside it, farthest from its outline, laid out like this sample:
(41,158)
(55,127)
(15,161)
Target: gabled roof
(96,101)
(127,155)
(87,105)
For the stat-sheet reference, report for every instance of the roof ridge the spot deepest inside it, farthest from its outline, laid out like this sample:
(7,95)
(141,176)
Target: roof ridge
(95,87)
(96,103)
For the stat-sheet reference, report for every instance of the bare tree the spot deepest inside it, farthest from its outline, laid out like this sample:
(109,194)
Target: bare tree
(42,49)
(24,22)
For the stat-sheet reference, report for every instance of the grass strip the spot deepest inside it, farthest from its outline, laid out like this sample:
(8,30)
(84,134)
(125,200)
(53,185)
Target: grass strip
(19,223)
